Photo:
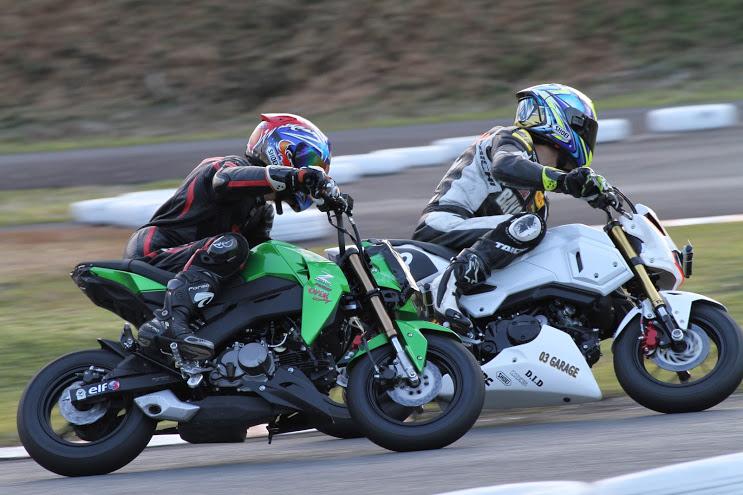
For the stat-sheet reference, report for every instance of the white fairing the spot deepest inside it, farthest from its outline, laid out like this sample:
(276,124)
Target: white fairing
(572,255)
(679,304)
(657,246)
(549,370)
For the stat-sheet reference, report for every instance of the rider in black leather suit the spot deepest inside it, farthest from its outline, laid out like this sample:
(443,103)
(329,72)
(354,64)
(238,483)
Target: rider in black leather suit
(205,230)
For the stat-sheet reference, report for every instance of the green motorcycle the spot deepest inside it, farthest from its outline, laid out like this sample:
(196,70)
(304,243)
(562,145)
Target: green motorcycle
(293,328)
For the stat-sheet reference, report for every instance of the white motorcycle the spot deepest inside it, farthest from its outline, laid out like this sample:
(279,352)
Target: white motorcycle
(538,323)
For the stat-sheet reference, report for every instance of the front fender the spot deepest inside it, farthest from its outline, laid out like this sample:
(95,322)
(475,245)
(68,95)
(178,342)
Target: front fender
(412,334)
(679,304)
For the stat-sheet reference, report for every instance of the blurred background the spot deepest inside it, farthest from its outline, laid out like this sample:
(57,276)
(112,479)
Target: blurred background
(102,98)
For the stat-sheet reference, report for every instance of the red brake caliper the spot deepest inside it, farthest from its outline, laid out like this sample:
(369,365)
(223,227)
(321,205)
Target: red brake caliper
(650,339)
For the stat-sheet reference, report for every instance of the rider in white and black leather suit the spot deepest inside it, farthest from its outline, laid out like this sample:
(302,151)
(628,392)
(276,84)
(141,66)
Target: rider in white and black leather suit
(491,203)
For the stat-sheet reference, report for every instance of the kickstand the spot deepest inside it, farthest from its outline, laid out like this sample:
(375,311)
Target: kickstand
(272,430)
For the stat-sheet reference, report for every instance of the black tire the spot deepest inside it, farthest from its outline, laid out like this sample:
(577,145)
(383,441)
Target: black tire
(119,444)
(461,413)
(698,395)
(342,428)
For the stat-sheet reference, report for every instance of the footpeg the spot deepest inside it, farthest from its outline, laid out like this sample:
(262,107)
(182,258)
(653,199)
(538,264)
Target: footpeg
(127,338)
(195,380)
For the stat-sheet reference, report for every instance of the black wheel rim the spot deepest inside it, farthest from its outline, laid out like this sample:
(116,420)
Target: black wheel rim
(693,376)
(62,431)
(435,410)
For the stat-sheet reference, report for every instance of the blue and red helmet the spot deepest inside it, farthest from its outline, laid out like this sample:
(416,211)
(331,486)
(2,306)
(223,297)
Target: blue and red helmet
(288,140)
(562,117)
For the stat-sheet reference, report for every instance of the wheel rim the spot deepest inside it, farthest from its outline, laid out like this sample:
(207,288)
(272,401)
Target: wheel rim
(699,361)
(434,410)
(66,433)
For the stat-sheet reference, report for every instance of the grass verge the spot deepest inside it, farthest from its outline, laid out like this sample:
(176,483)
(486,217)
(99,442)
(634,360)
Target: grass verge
(43,315)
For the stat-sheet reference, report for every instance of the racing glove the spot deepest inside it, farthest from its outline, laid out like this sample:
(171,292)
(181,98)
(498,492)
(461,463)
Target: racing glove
(310,180)
(317,183)
(582,183)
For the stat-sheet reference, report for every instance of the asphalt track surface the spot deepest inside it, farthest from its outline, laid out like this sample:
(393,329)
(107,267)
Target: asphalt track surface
(680,175)
(578,443)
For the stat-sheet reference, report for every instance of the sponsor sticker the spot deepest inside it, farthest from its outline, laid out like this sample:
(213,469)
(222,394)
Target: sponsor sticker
(319,295)
(559,364)
(488,380)
(515,375)
(503,378)
(111,386)
(534,378)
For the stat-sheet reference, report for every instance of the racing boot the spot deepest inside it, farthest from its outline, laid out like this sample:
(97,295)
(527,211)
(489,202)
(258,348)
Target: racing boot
(465,275)
(190,289)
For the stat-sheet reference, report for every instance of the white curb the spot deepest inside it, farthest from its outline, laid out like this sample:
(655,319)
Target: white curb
(716,475)
(690,118)
(133,210)
(369,164)
(344,171)
(417,156)
(455,145)
(612,130)
(259,431)
(387,161)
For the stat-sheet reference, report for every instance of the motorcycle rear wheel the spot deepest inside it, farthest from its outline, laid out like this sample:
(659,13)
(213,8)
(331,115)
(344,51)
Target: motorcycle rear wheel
(104,446)
(706,385)
(379,418)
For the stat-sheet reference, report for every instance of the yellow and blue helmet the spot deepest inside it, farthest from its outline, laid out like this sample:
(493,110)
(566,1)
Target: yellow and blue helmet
(562,117)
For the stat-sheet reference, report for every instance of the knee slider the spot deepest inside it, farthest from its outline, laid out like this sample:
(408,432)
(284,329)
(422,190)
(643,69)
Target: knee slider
(228,248)
(526,229)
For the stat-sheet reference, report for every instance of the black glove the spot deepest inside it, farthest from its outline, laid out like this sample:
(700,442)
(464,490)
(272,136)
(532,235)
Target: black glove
(583,183)
(317,183)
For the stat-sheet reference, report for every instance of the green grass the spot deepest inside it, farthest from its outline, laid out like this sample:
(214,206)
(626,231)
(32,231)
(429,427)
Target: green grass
(691,93)
(43,315)
(718,274)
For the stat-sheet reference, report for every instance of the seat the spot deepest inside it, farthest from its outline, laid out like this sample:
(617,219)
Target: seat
(442,251)
(133,266)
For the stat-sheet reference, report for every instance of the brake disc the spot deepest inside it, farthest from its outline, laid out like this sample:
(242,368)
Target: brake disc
(697,350)
(76,416)
(428,388)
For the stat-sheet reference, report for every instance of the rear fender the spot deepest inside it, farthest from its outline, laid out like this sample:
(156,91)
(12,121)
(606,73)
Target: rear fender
(110,345)
(413,336)
(679,304)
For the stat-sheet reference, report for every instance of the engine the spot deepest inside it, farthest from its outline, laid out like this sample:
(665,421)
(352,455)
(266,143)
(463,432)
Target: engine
(277,343)
(569,319)
(251,361)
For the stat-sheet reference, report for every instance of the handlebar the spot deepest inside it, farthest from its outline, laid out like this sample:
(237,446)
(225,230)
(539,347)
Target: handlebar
(613,199)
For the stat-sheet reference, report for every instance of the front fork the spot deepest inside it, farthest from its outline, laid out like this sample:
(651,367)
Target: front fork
(669,326)
(371,292)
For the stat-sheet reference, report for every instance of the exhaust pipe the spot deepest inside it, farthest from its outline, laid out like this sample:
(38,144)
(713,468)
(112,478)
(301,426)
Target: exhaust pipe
(164,405)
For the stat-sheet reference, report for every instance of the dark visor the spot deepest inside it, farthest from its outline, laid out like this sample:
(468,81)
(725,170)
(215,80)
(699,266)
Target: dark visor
(583,125)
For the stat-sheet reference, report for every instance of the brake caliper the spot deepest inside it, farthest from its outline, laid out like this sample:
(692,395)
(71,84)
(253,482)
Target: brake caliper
(649,339)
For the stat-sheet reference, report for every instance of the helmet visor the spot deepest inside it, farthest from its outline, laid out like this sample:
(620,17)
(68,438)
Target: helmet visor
(529,113)
(309,157)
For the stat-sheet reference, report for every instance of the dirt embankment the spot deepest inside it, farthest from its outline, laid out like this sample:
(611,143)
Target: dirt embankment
(86,67)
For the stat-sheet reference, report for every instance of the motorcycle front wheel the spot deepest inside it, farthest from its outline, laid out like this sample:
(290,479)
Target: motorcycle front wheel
(107,435)
(438,412)
(702,376)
